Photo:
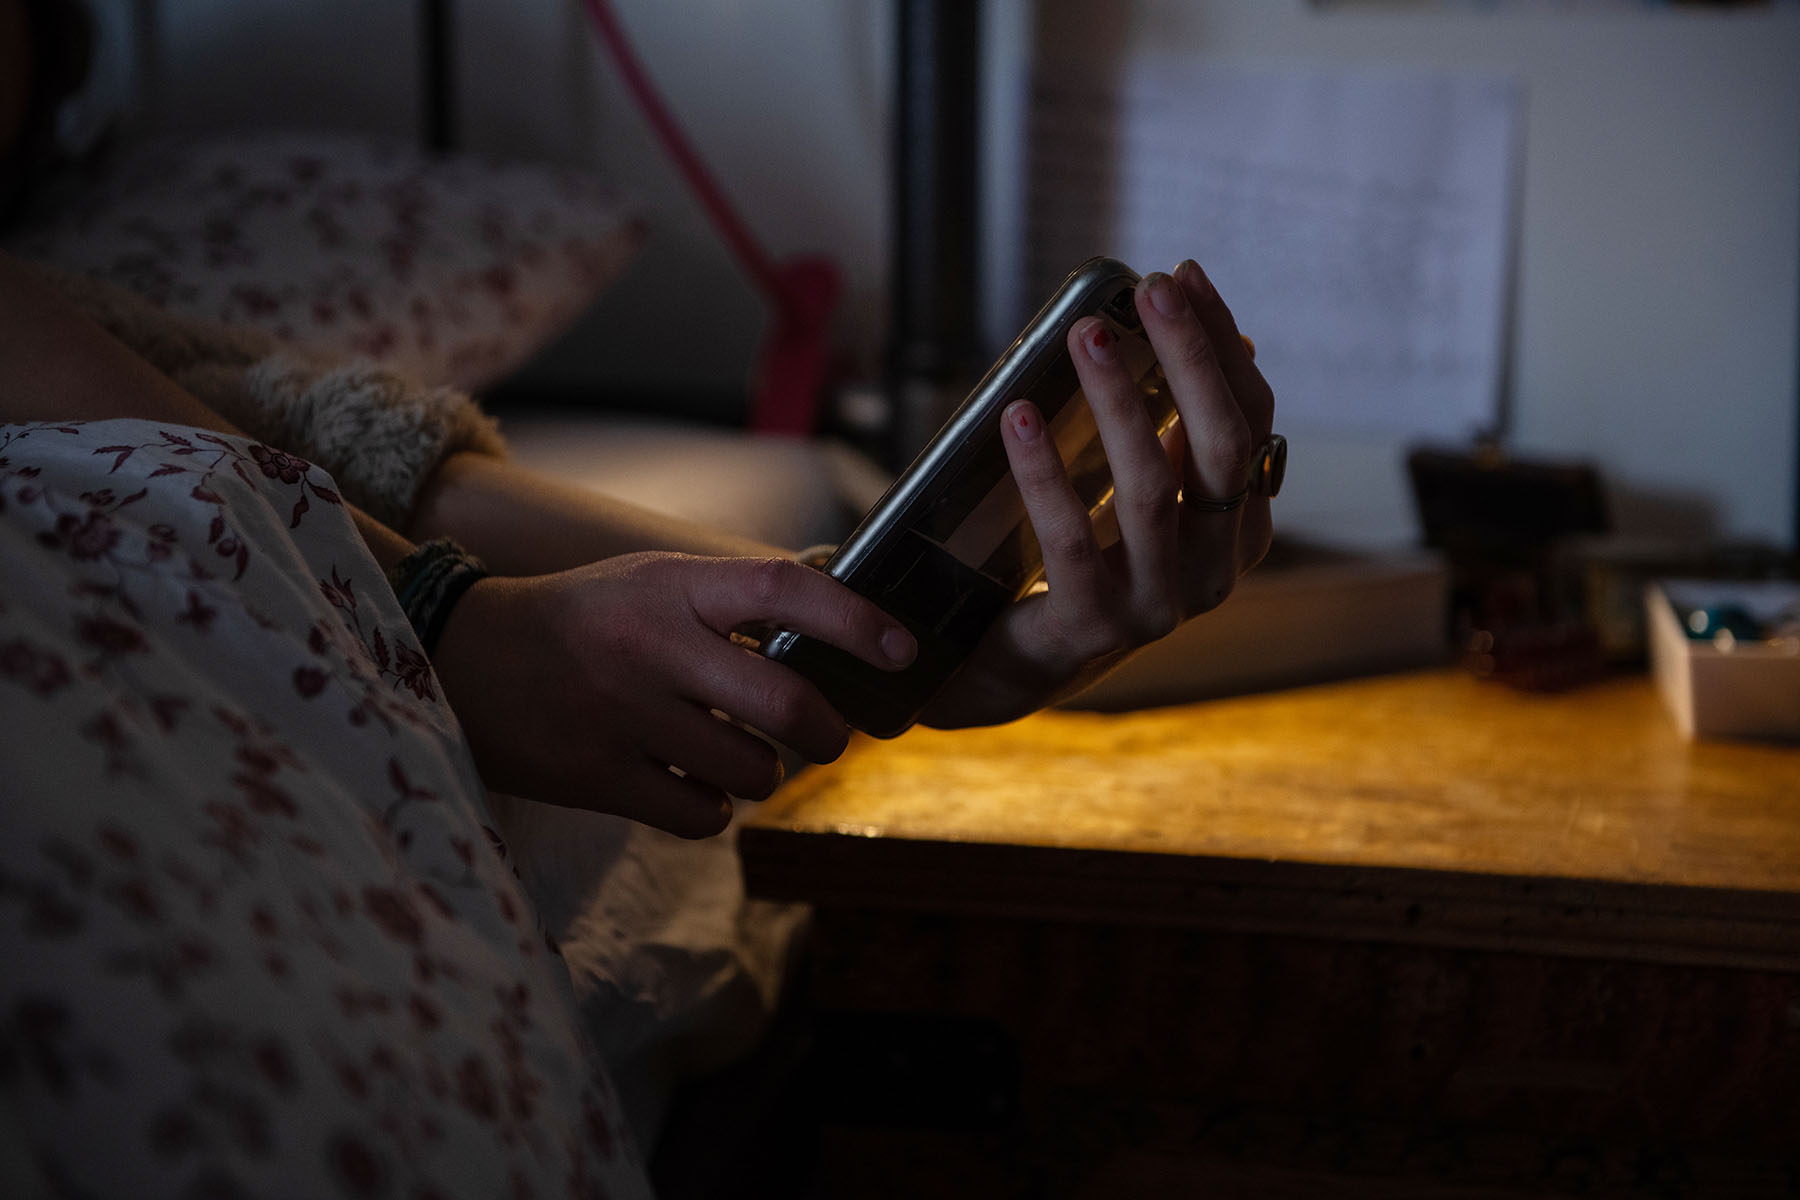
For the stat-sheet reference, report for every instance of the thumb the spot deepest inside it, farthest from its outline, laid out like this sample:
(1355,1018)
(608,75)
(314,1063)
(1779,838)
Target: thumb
(729,593)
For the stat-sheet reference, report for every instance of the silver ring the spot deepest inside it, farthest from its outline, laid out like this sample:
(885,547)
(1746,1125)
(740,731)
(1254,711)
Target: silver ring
(1216,506)
(1267,469)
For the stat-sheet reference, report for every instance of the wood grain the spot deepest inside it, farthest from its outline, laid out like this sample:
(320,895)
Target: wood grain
(1425,807)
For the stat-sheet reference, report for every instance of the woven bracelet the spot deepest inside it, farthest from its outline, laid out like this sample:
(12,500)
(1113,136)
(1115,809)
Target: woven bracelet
(429,582)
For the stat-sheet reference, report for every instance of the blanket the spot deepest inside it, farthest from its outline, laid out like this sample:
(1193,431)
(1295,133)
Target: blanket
(258,933)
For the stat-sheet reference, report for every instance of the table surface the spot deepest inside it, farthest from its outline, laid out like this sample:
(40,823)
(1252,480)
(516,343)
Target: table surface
(1428,805)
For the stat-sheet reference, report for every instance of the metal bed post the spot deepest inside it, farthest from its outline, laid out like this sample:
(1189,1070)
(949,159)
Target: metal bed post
(437,74)
(934,271)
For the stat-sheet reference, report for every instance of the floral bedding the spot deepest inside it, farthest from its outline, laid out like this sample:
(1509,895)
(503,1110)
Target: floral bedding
(259,935)
(448,269)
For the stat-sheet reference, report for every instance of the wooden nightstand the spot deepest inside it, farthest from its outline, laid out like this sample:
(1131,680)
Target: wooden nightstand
(1414,932)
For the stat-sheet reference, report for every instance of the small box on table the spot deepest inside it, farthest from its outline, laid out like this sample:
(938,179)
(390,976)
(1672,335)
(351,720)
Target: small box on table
(1726,684)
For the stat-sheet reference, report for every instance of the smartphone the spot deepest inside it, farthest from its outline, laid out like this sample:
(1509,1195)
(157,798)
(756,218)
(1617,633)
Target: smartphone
(949,546)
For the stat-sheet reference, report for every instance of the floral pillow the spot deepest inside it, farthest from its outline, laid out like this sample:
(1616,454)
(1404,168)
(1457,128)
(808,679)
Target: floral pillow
(453,270)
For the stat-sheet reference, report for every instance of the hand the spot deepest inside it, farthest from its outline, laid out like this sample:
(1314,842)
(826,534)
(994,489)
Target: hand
(586,687)
(1172,561)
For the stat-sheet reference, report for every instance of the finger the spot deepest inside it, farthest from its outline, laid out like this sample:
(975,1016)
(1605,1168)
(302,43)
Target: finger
(716,752)
(1218,433)
(773,700)
(729,593)
(1237,353)
(681,805)
(1073,565)
(1145,485)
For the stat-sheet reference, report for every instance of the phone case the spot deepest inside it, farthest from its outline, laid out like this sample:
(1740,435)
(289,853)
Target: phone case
(949,546)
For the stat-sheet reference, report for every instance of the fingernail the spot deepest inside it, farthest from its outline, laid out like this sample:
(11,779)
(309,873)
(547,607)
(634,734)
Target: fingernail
(898,645)
(1163,293)
(1189,272)
(1101,345)
(1023,416)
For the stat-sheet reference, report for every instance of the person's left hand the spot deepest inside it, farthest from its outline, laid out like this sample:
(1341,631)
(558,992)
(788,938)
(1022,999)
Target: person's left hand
(1173,560)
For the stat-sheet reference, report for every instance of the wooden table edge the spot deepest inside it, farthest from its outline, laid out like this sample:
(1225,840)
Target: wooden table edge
(1606,918)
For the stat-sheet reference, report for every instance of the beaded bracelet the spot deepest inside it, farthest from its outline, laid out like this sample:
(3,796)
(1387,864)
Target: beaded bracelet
(429,581)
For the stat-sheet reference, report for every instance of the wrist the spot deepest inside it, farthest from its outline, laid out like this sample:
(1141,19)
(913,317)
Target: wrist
(501,701)
(470,628)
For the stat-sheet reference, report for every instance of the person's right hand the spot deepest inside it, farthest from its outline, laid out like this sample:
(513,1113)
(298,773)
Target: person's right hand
(586,687)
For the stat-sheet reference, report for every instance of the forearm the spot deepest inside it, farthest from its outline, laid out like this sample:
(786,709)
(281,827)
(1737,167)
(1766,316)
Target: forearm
(525,523)
(56,364)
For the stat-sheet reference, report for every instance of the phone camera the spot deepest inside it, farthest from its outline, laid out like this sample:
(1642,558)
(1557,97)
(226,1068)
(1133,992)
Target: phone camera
(1123,309)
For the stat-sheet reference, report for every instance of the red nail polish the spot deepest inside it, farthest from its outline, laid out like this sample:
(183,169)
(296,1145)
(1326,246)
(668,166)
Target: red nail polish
(1100,343)
(1024,420)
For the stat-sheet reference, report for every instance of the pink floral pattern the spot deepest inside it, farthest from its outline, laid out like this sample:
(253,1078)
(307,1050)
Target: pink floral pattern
(260,937)
(450,270)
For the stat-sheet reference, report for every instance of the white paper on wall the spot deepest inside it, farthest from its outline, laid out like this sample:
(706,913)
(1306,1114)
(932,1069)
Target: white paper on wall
(1358,222)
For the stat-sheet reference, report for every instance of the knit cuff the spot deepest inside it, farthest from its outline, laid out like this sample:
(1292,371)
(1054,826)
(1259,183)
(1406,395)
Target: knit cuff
(379,434)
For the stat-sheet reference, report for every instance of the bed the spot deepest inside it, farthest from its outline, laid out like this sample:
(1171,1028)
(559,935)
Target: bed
(244,927)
